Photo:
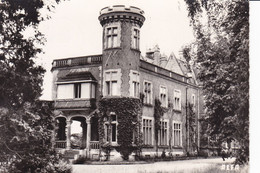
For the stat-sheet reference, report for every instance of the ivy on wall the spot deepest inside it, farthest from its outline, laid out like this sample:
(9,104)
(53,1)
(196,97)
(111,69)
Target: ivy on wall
(192,127)
(158,114)
(128,112)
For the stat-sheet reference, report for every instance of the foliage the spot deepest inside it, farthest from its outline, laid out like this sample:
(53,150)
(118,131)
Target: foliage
(192,126)
(107,148)
(61,167)
(158,114)
(26,136)
(20,78)
(76,140)
(128,112)
(221,53)
(25,123)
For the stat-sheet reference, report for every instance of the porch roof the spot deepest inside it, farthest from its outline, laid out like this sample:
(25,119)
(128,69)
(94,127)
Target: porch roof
(68,104)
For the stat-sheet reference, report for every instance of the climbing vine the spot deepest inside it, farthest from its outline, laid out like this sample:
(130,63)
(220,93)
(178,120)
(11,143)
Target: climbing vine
(158,113)
(192,126)
(128,112)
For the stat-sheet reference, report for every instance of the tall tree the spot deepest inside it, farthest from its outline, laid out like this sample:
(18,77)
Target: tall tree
(221,52)
(25,123)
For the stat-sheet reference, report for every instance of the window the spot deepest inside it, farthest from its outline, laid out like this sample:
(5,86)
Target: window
(193,100)
(111,37)
(162,133)
(111,129)
(111,83)
(147,132)
(76,90)
(163,96)
(111,87)
(177,99)
(177,134)
(135,38)
(135,89)
(65,91)
(134,84)
(147,92)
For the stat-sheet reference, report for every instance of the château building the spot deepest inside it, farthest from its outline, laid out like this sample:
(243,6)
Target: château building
(79,84)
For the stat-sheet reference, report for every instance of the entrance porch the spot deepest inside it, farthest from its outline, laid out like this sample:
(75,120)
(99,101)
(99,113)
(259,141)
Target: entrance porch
(85,140)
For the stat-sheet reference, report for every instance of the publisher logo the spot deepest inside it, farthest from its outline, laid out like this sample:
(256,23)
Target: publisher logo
(230,167)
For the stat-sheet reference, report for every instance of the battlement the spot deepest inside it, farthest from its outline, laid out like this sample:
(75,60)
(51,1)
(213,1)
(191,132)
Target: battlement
(121,8)
(121,12)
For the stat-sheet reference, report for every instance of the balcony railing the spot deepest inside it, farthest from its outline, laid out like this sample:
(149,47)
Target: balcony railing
(60,144)
(85,60)
(94,144)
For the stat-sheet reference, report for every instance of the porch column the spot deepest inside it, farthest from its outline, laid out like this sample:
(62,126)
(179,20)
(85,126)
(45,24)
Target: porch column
(88,133)
(84,133)
(68,133)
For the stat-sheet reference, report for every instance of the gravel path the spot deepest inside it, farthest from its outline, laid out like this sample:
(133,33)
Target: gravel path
(170,166)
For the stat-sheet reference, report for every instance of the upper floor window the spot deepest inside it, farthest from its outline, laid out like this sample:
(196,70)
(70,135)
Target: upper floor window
(177,99)
(193,99)
(147,92)
(135,38)
(112,86)
(163,96)
(76,90)
(134,84)
(112,37)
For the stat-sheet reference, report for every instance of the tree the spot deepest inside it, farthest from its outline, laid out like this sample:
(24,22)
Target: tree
(221,51)
(25,122)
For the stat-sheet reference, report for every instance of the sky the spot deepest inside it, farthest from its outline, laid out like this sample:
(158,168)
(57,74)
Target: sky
(74,30)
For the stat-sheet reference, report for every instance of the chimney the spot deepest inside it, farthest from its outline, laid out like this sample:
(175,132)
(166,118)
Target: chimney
(163,60)
(157,55)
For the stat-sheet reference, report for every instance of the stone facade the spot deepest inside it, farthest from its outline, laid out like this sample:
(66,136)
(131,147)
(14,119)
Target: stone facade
(79,83)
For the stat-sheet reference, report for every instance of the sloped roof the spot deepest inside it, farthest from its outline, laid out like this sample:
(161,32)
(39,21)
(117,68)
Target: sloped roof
(77,74)
(73,104)
(173,65)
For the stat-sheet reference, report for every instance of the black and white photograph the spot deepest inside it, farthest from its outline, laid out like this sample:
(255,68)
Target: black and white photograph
(128,86)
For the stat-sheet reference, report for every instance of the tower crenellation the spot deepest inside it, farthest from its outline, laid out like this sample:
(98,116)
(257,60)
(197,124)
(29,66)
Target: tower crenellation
(120,13)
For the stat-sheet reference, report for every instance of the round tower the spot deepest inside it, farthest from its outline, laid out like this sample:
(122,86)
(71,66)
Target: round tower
(121,50)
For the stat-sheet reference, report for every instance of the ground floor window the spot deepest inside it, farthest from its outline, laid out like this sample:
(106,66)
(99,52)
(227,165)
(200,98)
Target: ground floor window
(147,132)
(162,133)
(111,129)
(177,134)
